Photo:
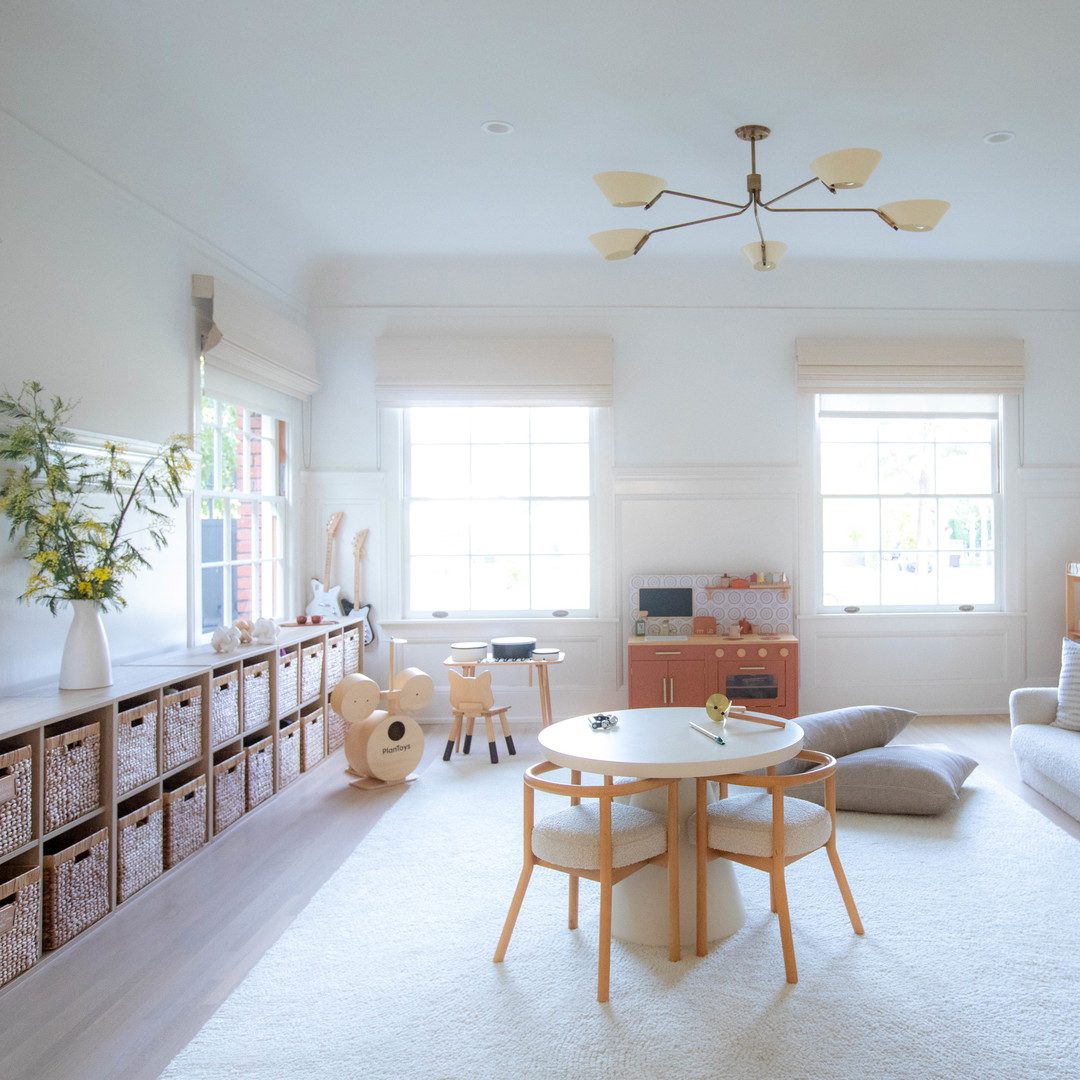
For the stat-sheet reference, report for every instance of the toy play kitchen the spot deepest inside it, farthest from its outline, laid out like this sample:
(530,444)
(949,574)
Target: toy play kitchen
(748,652)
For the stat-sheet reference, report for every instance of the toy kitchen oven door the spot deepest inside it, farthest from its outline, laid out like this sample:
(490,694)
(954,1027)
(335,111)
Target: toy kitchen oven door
(760,678)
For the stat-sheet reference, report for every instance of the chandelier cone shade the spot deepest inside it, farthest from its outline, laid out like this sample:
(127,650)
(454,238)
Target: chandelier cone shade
(629,188)
(764,256)
(915,215)
(846,168)
(838,171)
(618,243)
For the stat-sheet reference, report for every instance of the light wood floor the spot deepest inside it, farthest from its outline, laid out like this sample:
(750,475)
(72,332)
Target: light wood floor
(120,1002)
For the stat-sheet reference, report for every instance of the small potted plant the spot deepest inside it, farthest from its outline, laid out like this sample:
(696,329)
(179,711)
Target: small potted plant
(82,519)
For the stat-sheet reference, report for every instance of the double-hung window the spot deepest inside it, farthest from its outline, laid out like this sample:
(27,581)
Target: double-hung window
(909,498)
(242,505)
(498,510)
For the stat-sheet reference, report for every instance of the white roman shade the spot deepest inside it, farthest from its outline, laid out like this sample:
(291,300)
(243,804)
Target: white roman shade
(245,339)
(493,371)
(909,365)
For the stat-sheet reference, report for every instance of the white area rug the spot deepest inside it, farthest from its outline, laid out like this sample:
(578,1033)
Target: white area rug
(968,970)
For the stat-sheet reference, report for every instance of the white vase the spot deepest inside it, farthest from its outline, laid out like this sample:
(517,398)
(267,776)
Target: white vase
(86,662)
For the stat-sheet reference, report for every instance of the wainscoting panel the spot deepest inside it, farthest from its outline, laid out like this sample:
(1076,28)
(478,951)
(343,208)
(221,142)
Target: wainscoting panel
(936,664)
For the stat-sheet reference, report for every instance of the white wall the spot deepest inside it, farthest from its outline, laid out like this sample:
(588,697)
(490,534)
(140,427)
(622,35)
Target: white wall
(707,472)
(94,304)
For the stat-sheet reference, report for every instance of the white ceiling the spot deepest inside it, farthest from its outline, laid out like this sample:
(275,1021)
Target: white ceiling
(294,131)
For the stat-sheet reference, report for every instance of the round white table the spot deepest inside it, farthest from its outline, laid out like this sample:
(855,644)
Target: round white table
(659,743)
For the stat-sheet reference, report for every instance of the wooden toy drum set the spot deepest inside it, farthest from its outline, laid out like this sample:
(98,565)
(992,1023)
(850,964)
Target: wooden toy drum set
(383,744)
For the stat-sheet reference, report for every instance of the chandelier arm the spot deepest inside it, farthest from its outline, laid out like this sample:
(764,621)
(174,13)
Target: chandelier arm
(685,195)
(777,198)
(832,210)
(761,234)
(699,221)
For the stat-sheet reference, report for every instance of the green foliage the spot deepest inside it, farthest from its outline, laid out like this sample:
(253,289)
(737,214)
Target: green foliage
(83,522)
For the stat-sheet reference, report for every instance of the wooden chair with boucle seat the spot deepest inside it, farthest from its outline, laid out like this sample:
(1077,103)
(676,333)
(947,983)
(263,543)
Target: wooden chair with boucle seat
(601,840)
(769,831)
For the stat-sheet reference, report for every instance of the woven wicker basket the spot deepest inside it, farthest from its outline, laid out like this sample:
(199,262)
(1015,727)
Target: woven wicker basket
(72,775)
(311,671)
(136,746)
(260,771)
(288,683)
(256,695)
(20,913)
(230,791)
(181,718)
(16,794)
(335,661)
(185,820)
(312,738)
(139,849)
(335,730)
(351,642)
(224,707)
(289,747)
(76,888)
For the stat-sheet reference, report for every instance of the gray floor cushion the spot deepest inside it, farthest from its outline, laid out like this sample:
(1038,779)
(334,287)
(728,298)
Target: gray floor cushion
(841,732)
(896,780)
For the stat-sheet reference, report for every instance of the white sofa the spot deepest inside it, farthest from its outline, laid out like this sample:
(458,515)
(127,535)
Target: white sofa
(1047,756)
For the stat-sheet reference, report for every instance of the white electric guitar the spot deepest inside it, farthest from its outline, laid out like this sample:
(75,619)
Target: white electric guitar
(324,600)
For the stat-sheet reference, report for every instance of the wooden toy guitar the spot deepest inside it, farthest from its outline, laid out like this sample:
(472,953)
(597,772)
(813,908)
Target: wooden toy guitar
(362,611)
(324,600)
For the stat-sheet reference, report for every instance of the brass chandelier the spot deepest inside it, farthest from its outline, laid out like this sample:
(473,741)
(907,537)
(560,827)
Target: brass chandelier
(840,169)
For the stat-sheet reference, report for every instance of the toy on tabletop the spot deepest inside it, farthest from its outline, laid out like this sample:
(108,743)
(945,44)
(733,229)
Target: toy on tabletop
(720,710)
(383,744)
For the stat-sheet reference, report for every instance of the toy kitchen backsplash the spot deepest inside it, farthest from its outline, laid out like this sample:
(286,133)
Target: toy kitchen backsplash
(725,597)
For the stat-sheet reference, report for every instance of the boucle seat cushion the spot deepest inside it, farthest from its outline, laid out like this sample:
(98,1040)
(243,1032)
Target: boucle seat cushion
(743,824)
(571,837)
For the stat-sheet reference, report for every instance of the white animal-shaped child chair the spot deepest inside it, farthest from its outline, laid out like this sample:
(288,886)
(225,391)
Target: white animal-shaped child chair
(470,697)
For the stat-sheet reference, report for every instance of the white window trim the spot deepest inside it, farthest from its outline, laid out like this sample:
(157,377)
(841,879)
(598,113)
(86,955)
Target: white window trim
(602,519)
(282,407)
(1008,587)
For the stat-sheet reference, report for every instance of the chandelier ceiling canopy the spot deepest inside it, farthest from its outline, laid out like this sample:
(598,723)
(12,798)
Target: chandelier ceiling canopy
(839,170)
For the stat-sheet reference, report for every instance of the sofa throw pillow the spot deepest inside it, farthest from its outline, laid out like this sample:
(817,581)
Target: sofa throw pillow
(1068,709)
(846,731)
(896,780)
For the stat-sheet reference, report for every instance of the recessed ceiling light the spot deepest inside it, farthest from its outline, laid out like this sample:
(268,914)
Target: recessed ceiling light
(999,137)
(497,127)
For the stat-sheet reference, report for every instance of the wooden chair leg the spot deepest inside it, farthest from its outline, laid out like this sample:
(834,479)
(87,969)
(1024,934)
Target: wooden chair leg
(776,875)
(701,838)
(512,914)
(467,745)
(455,734)
(845,889)
(492,748)
(603,965)
(572,903)
(507,737)
(674,929)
